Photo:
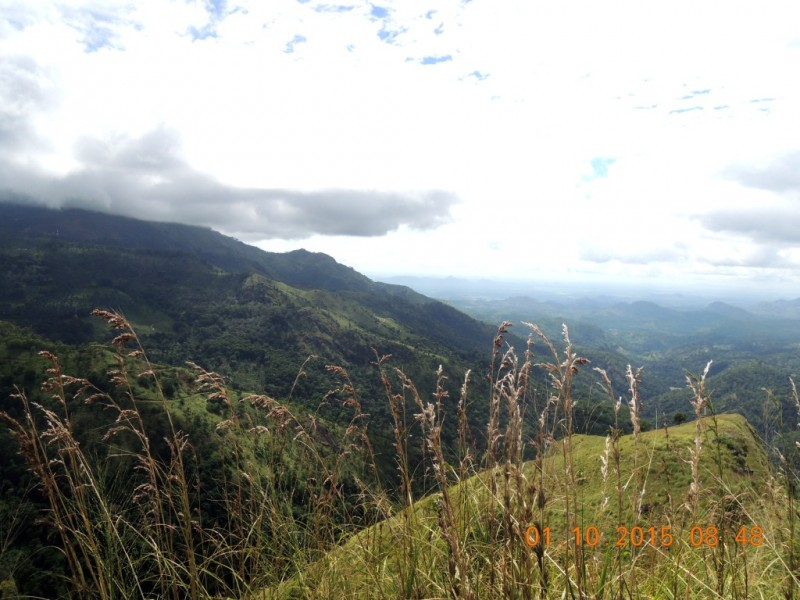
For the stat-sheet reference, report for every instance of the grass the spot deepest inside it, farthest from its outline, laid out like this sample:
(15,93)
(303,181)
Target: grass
(374,556)
(294,508)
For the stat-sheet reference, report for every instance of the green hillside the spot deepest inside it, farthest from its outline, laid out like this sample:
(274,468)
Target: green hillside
(194,294)
(732,476)
(180,284)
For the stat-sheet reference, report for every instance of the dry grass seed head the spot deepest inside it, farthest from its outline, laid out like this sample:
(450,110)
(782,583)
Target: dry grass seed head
(260,401)
(211,383)
(113,318)
(796,399)
(501,333)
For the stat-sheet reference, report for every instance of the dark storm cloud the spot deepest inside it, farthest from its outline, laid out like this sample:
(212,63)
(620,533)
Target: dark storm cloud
(146,178)
(781,175)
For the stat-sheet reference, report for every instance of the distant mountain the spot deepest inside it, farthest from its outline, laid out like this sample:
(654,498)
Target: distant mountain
(753,351)
(729,311)
(787,309)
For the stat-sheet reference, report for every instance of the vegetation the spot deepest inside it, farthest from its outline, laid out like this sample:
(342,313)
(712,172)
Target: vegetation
(280,504)
(342,438)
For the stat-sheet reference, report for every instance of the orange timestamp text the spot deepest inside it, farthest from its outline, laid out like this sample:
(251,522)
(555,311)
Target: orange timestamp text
(636,536)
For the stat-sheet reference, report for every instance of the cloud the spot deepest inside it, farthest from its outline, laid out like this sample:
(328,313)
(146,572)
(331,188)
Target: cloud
(631,256)
(773,225)
(512,109)
(22,92)
(761,257)
(146,178)
(782,174)
(758,226)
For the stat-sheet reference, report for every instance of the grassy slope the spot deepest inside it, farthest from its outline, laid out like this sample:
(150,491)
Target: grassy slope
(367,565)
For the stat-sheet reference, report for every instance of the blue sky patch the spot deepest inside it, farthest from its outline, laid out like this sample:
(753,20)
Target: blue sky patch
(333,8)
(678,111)
(217,8)
(389,35)
(298,39)
(478,75)
(600,166)
(97,29)
(97,38)
(205,32)
(433,60)
(379,12)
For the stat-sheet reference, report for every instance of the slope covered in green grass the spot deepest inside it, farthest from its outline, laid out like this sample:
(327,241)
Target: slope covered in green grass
(736,491)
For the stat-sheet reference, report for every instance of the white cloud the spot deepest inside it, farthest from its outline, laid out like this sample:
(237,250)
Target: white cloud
(694,103)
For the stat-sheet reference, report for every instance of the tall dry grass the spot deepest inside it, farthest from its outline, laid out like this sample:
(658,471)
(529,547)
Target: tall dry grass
(143,520)
(291,512)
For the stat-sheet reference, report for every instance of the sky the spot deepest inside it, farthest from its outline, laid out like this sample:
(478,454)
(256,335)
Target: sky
(520,139)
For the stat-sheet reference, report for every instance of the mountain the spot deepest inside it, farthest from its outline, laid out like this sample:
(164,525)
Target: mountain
(729,311)
(754,351)
(195,294)
(789,309)
(36,225)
